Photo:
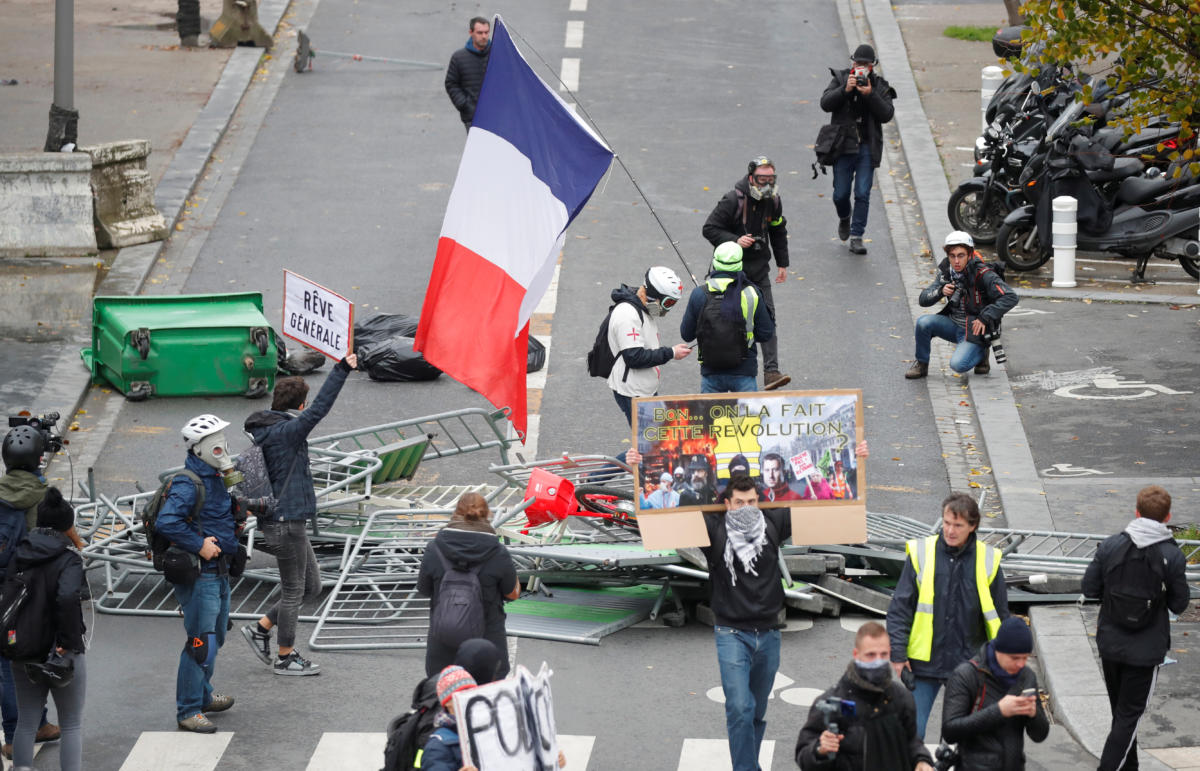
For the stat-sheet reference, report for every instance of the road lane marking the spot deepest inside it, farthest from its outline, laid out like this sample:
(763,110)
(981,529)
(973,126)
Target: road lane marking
(347,751)
(713,755)
(569,75)
(574,35)
(178,751)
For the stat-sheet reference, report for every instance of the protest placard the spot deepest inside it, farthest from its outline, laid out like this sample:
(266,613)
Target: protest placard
(797,446)
(508,725)
(317,317)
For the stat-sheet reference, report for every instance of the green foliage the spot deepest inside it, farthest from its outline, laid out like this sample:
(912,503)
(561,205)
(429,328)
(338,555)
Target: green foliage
(980,34)
(1149,49)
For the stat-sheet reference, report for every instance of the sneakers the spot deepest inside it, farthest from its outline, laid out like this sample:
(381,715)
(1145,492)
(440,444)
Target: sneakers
(844,229)
(773,380)
(259,643)
(919,369)
(198,723)
(295,664)
(189,41)
(983,367)
(218,703)
(47,733)
(856,245)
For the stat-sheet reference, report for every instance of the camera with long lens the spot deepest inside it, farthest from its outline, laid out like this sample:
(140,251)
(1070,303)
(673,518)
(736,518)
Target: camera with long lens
(992,336)
(43,424)
(945,757)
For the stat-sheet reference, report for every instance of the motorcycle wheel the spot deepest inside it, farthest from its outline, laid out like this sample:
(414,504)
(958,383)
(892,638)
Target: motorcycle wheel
(964,213)
(1191,265)
(1019,247)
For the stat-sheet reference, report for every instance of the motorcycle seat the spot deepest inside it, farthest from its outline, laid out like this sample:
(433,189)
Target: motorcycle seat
(1122,168)
(1139,190)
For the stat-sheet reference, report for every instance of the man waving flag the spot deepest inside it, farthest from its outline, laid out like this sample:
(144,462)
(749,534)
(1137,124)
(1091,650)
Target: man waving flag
(528,168)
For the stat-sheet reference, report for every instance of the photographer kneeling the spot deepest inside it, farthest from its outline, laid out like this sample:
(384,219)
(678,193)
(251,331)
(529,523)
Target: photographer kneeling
(991,702)
(866,721)
(976,299)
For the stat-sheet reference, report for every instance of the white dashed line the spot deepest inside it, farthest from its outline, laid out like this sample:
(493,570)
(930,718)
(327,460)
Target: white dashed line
(574,35)
(578,6)
(569,75)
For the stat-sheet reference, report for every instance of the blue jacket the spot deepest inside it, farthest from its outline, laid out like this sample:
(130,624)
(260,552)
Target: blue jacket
(764,327)
(216,517)
(284,441)
(442,752)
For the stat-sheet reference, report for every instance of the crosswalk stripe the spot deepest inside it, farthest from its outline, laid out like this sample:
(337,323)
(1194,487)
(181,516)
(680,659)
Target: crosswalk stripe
(348,751)
(176,750)
(577,749)
(713,755)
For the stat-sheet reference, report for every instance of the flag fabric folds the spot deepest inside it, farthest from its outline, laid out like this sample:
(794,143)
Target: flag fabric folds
(528,168)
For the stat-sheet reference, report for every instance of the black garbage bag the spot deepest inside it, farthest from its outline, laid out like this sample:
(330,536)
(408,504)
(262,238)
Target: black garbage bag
(394,360)
(537,355)
(296,362)
(382,327)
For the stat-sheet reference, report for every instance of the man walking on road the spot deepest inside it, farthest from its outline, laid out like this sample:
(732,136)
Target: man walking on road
(464,76)
(949,600)
(752,215)
(859,97)
(725,316)
(1139,575)
(976,300)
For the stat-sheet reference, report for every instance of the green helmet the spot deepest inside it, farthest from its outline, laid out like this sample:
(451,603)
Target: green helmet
(727,258)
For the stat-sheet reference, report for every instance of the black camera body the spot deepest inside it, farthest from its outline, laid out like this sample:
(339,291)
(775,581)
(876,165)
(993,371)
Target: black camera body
(44,425)
(945,757)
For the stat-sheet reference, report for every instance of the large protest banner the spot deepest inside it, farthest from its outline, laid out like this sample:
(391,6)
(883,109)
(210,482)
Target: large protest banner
(508,725)
(317,317)
(797,446)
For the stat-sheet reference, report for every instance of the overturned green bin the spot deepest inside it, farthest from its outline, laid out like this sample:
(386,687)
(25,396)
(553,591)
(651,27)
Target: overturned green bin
(185,345)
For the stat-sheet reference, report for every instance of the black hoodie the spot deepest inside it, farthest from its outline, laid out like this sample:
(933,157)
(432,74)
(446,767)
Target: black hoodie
(61,568)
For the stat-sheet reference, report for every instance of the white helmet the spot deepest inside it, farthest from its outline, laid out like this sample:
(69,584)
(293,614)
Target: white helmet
(663,287)
(958,238)
(199,427)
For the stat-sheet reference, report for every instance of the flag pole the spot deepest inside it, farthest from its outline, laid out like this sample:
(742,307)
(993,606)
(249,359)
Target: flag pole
(674,244)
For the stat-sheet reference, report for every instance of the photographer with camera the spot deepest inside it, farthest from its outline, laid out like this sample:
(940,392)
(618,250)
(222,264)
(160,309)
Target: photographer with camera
(976,300)
(751,214)
(868,720)
(859,97)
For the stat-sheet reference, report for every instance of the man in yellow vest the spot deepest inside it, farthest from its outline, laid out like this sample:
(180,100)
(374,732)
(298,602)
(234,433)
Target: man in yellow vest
(950,599)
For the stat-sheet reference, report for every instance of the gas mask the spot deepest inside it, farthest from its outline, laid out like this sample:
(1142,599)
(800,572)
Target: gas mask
(767,191)
(214,450)
(656,309)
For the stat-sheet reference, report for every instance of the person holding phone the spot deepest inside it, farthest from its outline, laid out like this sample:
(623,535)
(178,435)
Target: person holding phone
(992,703)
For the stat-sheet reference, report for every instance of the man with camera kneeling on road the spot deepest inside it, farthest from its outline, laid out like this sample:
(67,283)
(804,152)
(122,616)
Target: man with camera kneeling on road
(976,299)
(866,721)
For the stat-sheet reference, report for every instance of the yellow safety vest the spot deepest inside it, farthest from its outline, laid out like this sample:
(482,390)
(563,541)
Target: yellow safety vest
(923,552)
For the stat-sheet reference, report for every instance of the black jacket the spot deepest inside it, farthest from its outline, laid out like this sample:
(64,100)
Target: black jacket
(736,215)
(464,78)
(958,627)
(62,570)
(853,753)
(284,441)
(985,295)
(754,602)
(1141,647)
(988,741)
(496,579)
(870,112)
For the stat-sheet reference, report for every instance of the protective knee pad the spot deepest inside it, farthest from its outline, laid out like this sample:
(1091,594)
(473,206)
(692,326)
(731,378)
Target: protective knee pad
(202,648)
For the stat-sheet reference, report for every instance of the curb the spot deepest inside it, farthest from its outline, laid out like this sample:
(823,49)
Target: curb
(66,387)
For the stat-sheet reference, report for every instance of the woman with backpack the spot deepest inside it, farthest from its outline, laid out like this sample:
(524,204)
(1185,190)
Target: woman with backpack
(46,556)
(467,549)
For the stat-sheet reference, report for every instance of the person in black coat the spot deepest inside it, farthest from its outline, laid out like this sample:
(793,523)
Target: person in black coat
(992,703)
(464,76)
(860,97)
(882,734)
(1131,657)
(469,540)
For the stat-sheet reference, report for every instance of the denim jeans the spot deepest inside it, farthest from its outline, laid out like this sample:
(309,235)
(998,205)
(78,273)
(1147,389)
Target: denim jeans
(626,405)
(68,702)
(724,383)
(925,694)
(205,606)
(8,700)
(299,575)
(748,662)
(854,169)
(932,325)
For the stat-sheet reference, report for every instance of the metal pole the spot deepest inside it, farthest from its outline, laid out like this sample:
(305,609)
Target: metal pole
(64,54)
(1063,231)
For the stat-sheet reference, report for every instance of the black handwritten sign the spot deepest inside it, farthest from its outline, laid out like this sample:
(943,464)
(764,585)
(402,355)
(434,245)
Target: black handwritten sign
(508,725)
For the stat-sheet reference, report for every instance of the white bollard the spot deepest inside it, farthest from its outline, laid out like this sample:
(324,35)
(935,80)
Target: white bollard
(1063,231)
(993,76)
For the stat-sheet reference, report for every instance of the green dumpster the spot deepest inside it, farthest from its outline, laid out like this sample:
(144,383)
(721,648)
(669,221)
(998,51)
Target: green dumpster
(186,345)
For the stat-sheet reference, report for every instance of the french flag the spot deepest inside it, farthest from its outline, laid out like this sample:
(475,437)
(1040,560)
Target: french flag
(527,170)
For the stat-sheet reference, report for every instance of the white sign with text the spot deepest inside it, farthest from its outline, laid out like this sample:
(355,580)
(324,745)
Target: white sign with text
(508,725)
(317,317)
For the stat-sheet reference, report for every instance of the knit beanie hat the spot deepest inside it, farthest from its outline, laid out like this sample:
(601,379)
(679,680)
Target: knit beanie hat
(452,679)
(1014,637)
(727,258)
(864,54)
(54,512)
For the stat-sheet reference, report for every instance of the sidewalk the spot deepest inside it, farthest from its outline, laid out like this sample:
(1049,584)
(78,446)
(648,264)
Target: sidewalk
(937,136)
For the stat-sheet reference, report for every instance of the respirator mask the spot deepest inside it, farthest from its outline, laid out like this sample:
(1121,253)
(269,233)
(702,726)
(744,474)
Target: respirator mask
(214,450)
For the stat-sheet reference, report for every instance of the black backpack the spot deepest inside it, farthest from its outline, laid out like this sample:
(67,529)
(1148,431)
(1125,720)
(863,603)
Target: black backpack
(722,342)
(26,624)
(457,611)
(408,732)
(601,359)
(1134,586)
(156,543)
(12,531)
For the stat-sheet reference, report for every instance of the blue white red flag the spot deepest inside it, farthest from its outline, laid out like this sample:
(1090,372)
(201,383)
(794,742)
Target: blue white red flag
(527,170)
